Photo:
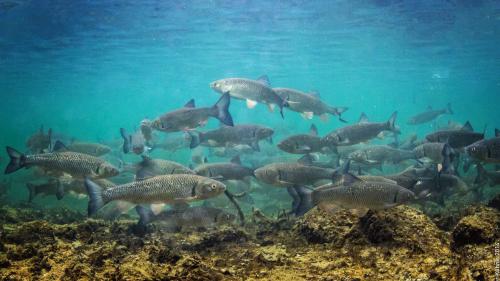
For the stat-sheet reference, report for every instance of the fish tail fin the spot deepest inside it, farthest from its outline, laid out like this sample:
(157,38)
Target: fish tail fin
(195,139)
(448,108)
(305,203)
(126,144)
(32,191)
(145,215)
(284,103)
(222,112)
(96,200)
(338,112)
(391,122)
(17,160)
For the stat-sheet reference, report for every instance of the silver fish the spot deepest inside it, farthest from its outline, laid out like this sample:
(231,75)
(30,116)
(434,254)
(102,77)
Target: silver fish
(135,142)
(159,189)
(252,91)
(76,164)
(429,115)
(225,171)
(249,134)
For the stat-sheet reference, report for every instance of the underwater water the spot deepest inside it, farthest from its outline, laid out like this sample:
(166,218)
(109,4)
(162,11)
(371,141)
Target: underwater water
(85,69)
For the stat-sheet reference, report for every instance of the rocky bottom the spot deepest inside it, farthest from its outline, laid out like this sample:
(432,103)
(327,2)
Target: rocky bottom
(397,244)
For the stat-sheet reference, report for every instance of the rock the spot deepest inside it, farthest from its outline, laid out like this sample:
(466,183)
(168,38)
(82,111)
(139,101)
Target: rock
(478,228)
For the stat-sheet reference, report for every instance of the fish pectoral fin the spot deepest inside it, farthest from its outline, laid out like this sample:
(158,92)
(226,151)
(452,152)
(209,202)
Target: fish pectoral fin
(157,208)
(324,117)
(271,106)
(329,207)
(251,103)
(360,212)
(307,115)
(203,123)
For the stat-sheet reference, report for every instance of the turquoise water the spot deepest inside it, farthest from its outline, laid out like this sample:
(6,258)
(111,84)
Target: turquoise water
(87,68)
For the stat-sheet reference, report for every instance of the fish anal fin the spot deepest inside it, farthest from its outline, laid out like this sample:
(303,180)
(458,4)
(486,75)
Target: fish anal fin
(251,103)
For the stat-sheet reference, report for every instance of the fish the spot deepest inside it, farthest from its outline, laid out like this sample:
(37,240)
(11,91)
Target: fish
(309,104)
(430,150)
(159,189)
(78,165)
(486,150)
(225,171)
(190,117)
(224,136)
(380,154)
(192,217)
(408,144)
(59,187)
(40,142)
(305,143)
(231,151)
(457,139)
(150,167)
(146,129)
(291,174)
(135,142)
(429,115)
(360,132)
(173,142)
(94,149)
(353,193)
(409,177)
(251,91)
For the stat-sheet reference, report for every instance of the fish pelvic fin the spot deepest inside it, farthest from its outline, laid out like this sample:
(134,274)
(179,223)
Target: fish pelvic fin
(17,160)
(221,110)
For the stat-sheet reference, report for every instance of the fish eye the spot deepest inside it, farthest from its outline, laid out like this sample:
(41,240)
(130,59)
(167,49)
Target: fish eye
(213,186)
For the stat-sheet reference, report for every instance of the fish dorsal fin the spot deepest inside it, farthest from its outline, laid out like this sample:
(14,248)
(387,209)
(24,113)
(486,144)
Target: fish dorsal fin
(264,80)
(315,94)
(363,118)
(190,104)
(467,127)
(429,107)
(348,179)
(497,132)
(236,160)
(313,131)
(59,146)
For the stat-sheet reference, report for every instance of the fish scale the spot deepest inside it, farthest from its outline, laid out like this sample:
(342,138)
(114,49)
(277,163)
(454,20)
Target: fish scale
(72,162)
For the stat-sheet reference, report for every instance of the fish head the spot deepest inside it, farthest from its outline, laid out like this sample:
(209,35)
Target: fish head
(334,139)
(106,170)
(224,218)
(263,132)
(287,145)
(159,124)
(208,188)
(477,151)
(403,195)
(267,174)
(221,86)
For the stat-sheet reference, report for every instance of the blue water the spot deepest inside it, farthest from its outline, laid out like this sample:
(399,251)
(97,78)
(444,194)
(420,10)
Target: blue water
(87,68)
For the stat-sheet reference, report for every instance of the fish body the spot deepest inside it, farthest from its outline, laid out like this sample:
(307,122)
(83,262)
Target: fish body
(429,115)
(150,167)
(304,143)
(354,193)
(456,138)
(485,176)
(381,154)
(252,91)
(94,149)
(308,104)
(189,117)
(134,142)
(360,132)
(249,134)
(78,165)
(191,217)
(430,150)
(160,189)
(291,174)
(224,171)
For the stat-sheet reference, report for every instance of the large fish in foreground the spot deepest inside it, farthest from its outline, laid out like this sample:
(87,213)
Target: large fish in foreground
(78,165)
(429,115)
(309,104)
(360,132)
(160,189)
(190,117)
(252,91)
(353,193)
